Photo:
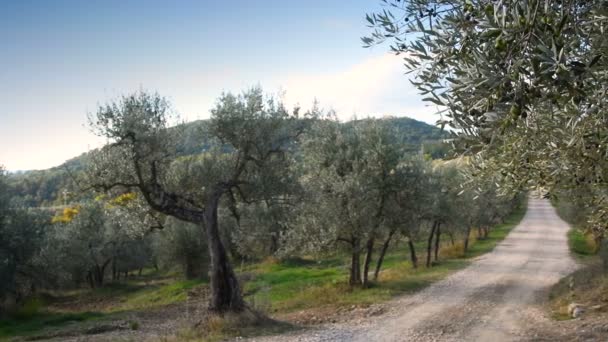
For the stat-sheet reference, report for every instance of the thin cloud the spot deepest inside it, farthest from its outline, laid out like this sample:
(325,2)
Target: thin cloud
(374,87)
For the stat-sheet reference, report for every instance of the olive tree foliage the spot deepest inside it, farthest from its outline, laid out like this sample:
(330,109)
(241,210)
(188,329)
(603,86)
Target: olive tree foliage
(181,243)
(22,233)
(100,239)
(253,134)
(407,204)
(523,81)
(346,175)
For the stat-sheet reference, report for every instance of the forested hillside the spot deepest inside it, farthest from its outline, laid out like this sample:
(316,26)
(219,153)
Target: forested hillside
(55,186)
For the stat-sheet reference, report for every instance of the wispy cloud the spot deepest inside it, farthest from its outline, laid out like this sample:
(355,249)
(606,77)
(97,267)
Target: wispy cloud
(375,87)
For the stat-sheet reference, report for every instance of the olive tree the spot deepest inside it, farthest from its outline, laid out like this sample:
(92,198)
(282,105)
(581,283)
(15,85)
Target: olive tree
(252,135)
(523,82)
(406,204)
(346,175)
(21,236)
(181,243)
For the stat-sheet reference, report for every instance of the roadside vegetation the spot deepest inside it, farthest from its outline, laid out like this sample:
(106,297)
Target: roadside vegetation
(588,286)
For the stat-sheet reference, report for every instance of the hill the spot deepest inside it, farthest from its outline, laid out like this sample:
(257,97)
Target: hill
(52,186)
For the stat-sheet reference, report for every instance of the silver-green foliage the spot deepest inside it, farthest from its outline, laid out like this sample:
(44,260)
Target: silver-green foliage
(524,82)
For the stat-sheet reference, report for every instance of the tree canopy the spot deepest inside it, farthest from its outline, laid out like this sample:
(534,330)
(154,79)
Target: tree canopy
(522,82)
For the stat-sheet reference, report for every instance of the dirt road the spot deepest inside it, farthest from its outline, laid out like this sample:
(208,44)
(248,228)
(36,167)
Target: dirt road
(497,298)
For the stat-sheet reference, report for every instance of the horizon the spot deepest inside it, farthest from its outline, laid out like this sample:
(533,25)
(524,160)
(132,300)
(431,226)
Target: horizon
(64,59)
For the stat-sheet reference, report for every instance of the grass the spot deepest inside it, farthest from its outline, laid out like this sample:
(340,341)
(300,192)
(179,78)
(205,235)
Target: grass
(43,320)
(156,296)
(38,315)
(582,245)
(587,286)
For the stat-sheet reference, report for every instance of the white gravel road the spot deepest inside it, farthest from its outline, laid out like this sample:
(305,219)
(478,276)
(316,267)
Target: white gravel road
(497,298)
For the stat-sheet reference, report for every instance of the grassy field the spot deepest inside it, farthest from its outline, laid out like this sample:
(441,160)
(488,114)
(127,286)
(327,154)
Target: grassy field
(272,286)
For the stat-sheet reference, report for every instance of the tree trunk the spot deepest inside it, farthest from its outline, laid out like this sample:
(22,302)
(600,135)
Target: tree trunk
(413,256)
(274,243)
(355,264)
(114,277)
(369,249)
(451,235)
(437,241)
(466,239)
(225,292)
(90,279)
(603,252)
(382,253)
(429,245)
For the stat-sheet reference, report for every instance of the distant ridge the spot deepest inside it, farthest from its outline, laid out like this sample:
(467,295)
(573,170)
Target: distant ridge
(47,187)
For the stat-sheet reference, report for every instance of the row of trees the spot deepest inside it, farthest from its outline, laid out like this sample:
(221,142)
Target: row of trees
(524,82)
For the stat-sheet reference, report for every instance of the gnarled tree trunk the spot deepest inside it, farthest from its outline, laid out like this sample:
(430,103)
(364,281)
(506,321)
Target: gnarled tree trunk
(429,245)
(355,263)
(466,238)
(225,291)
(437,240)
(413,256)
(369,249)
(382,253)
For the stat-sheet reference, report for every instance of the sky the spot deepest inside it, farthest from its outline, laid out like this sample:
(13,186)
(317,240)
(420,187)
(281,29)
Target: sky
(60,60)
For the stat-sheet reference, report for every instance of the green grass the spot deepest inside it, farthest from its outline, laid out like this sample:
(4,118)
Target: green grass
(44,320)
(581,245)
(156,296)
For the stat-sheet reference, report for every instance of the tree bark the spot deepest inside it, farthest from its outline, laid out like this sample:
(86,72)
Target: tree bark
(355,263)
(369,249)
(466,239)
(90,279)
(429,245)
(479,233)
(451,235)
(382,253)
(413,256)
(225,291)
(437,240)
(274,243)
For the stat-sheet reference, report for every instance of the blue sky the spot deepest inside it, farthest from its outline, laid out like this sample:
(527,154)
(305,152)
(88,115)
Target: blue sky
(60,59)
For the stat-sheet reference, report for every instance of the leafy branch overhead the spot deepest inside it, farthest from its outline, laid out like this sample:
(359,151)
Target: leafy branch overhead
(524,83)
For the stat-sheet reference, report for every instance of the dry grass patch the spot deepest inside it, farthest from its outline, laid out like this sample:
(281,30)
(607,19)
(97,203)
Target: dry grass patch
(587,286)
